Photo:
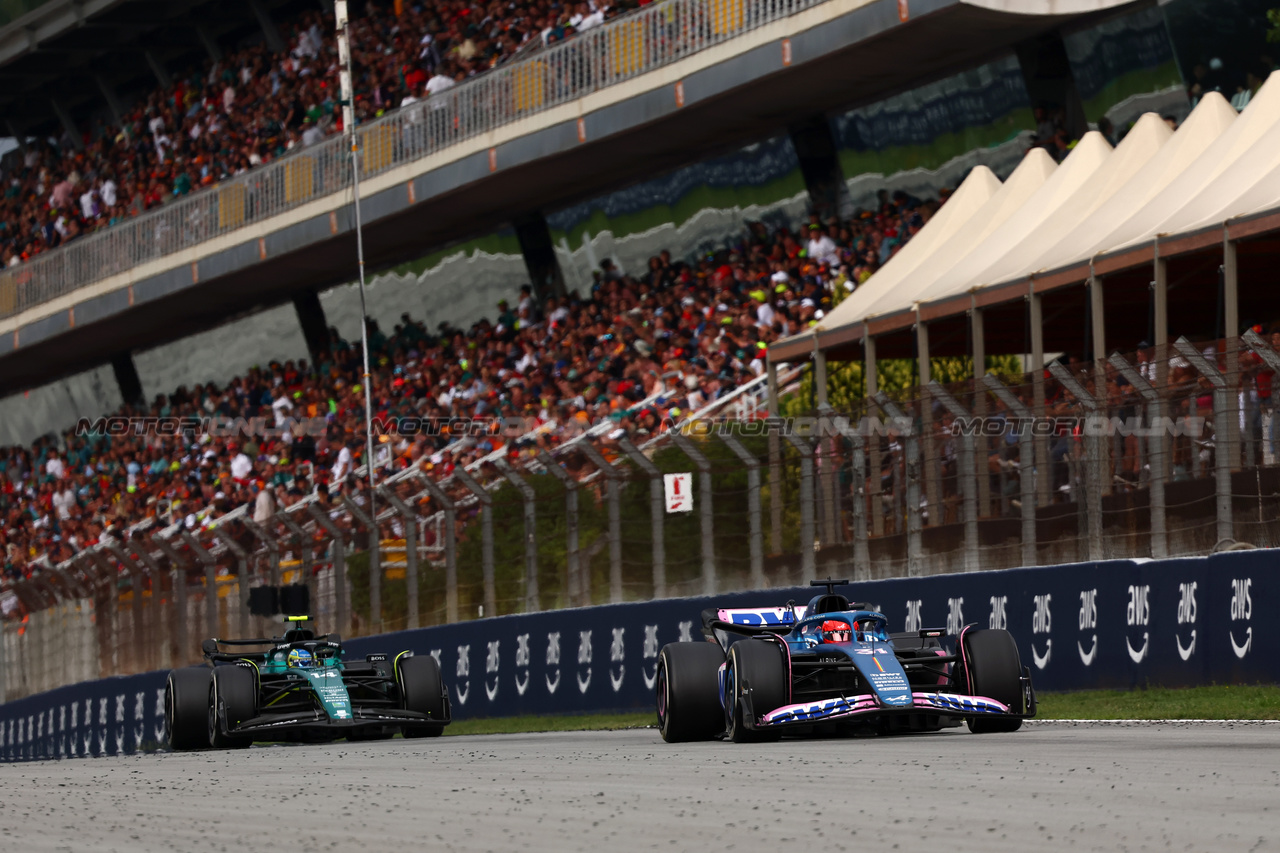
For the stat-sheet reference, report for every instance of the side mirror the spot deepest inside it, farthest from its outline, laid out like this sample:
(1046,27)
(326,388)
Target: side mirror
(209,647)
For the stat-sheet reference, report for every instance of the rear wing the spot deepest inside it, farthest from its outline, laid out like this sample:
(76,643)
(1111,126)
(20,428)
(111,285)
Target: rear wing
(750,620)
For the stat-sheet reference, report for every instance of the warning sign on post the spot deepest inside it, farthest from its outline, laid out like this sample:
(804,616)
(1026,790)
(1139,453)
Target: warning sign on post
(679,492)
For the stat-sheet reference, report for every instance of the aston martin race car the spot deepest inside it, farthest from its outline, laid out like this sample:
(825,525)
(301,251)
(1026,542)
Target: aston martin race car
(832,667)
(301,687)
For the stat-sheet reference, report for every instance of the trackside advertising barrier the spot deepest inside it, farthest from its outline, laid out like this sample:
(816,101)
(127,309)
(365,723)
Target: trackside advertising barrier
(1116,624)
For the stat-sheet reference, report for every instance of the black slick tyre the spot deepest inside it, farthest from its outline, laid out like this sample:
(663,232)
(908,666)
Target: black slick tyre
(757,666)
(186,708)
(233,699)
(994,671)
(421,690)
(688,692)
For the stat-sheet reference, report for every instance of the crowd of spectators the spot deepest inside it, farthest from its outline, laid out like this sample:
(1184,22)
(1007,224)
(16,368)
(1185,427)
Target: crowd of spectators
(642,347)
(254,105)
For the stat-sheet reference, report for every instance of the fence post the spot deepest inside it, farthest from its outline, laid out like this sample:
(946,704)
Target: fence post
(272,546)
(808,563)
(612,478)
(915,548)
(1221,434)
(306,550)
(486,537)
(450,510)
(775,466)
(861,545)
(178,571)
(573,579)
(142,640)
(1095,469)
(1026,466)
(1155,453)
(375,560)
(967,475)
(755,543)
(707,518)
(1269,356)
(242,578)
(212,624)
(657,513)
(164,627)
(532,601)
(410,554)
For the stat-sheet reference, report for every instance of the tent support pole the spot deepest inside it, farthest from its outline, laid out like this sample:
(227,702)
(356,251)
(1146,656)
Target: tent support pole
(978,334)
(869,371)
(930,470)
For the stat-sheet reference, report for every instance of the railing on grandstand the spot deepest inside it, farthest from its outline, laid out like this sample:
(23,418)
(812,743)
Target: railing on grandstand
(1177,456)
(626,47)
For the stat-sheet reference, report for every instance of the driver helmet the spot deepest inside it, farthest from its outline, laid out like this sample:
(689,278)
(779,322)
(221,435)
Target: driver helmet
(301,658)
(835,631)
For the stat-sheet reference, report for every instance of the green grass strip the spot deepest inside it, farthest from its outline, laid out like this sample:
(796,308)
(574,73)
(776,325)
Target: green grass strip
(1240,702)
(567,723)
(1219,702)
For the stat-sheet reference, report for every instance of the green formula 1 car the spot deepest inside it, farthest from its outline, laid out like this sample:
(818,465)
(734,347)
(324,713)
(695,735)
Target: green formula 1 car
(300,688)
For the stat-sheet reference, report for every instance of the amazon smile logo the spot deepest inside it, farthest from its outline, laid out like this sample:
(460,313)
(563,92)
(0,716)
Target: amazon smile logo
(1088,622)
(1241,611)
(1139,615)
(1186,616)
(1041,623)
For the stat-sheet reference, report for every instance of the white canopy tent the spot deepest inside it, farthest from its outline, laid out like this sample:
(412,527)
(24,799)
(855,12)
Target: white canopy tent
(984,264)
(875,297)
(963,207)
(1176,200)
(1211,117)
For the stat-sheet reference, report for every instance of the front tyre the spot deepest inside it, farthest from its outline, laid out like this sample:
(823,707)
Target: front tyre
(186,708)
(994,670)
(757,666)
(233,699)
(421,690)
(687,691)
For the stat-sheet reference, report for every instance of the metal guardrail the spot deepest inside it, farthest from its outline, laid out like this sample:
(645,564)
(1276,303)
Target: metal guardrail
(619,50)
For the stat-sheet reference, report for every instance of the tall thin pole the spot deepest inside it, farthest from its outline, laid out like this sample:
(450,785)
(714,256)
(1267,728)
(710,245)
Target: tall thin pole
(349,128)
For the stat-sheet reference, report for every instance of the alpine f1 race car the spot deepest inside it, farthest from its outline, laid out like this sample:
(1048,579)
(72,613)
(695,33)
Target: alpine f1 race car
(833,668)
(301,688)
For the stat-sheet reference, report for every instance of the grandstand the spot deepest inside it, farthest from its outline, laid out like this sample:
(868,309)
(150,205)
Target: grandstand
(952,205)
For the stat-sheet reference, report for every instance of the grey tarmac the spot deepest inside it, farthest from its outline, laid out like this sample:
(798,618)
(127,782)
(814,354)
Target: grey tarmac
(1052,786)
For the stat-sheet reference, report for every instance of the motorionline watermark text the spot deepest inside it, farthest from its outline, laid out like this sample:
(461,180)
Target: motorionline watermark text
(823,426)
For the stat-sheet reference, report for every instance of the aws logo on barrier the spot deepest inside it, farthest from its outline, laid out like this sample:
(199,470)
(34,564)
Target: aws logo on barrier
(999,617)
(1041,623)
(1186,616)
(1241,611)
(1088,622)
(1139,615)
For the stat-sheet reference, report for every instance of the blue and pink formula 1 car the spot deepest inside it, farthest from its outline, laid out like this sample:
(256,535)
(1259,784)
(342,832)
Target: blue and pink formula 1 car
(833,667)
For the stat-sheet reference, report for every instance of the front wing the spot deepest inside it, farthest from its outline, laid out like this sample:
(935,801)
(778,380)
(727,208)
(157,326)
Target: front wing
(314,719)
(867,705)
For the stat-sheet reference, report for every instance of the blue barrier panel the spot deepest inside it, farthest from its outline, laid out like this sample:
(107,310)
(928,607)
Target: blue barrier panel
(1116,624)
(110,716)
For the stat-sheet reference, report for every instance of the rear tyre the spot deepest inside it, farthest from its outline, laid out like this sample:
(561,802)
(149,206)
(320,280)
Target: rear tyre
(186,708)
(421,690)
(995,670)
(688,691)
(233,699)
(758,666)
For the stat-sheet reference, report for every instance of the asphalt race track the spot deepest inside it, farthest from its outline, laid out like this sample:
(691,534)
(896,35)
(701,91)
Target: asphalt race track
(1059,786)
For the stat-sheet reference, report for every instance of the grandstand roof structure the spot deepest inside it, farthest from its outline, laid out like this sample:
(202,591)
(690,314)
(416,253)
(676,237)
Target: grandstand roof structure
(1211,189)
(126,294)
